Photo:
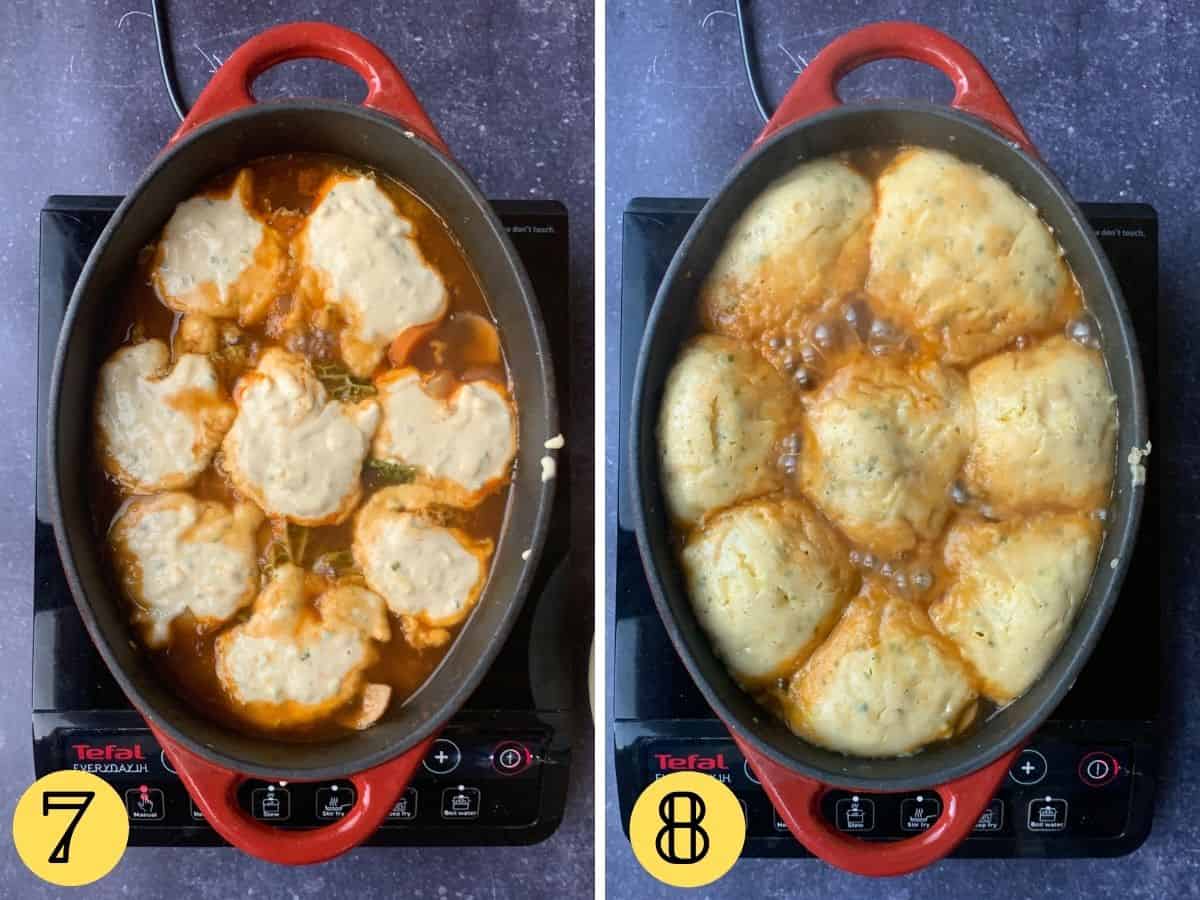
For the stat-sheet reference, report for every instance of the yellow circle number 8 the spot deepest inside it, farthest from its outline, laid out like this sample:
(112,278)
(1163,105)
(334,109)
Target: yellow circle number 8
(70,828)
(687,829)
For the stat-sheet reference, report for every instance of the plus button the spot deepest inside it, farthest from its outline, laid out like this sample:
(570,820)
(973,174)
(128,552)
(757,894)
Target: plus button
(443,758)
(1030,767)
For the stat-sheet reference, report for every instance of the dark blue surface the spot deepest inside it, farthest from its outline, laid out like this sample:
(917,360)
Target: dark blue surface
(1107,93)
(82,110)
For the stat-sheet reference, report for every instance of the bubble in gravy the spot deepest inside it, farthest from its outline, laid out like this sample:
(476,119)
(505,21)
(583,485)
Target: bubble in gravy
(1083,330)
(824,336)
(883,330)
(959,493)
(857,315)
(884,337)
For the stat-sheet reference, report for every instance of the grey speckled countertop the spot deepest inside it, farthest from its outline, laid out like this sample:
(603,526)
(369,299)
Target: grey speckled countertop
(1107,91)
(83,110)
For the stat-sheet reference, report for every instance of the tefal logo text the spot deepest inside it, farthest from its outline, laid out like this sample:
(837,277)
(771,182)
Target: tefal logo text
(693,762)
(109,752)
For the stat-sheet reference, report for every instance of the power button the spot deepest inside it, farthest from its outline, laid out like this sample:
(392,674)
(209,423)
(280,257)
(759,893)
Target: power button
(510,757)
(1098,768)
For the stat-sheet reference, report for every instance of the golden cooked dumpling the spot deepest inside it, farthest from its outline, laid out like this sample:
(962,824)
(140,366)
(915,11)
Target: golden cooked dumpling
(175,554)
(216,258)
(767,580)
(157,424)
(884,442)
(303,652)
(1015,589)
(1045,428)
(883,684)
(959,257)
(801,243)
(724,410)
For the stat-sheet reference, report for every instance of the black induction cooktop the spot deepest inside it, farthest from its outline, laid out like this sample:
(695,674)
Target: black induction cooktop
(497,775)
(1085,785)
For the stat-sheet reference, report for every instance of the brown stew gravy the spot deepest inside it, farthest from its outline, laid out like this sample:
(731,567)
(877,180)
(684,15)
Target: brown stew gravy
(284,191)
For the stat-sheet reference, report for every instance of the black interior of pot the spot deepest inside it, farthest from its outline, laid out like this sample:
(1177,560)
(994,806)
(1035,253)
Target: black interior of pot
(672,318)
(373,139)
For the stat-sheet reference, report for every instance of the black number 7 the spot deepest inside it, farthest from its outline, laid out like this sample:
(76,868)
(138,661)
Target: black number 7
(56,800)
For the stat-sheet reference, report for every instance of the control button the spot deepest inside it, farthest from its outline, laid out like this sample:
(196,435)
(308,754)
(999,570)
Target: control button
(145,804)
(405,808)
(510,758)
(991,819)
(1047,814)
(855,814)
(443,757)
(334,801)
(460,803)
(920,812)
(1030,767)
(1098,768)
(750,772)
(272,803)
(197,816)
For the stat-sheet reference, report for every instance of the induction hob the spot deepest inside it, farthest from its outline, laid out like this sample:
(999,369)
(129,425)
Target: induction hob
(1085,785)
(478,786)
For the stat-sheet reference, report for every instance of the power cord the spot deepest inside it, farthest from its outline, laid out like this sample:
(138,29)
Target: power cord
(166,58)
(746,34)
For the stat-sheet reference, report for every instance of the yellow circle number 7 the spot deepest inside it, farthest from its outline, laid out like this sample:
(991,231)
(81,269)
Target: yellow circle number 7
(70,828)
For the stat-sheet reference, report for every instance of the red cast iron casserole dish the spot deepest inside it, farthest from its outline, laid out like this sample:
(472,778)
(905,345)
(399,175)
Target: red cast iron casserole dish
(391,133)
(811,122)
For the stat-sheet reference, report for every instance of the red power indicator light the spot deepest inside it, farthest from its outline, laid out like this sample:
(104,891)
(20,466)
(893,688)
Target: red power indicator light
(1098,768)
(511,758)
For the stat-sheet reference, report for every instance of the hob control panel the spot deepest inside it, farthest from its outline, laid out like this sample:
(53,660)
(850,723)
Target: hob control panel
(1060,793)
(470,779)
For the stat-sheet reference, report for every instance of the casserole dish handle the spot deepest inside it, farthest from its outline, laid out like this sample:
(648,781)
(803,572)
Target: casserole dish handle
(798,800)
(815,90)
(215,789)
(387,91)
